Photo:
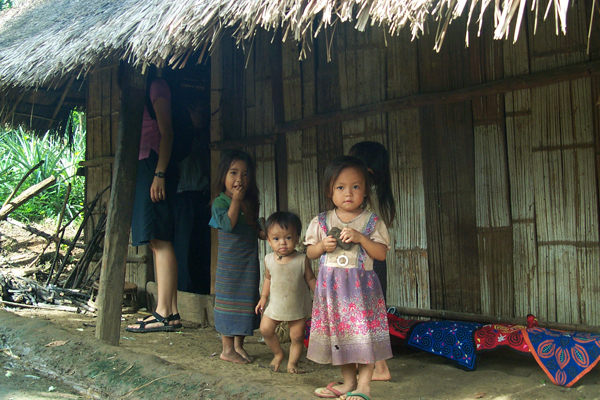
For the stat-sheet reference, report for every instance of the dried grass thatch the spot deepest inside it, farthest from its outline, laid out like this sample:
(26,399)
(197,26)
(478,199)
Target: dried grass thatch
(46,39)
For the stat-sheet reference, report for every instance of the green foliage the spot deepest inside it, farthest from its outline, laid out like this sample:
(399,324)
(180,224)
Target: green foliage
(20,151)
(4,4)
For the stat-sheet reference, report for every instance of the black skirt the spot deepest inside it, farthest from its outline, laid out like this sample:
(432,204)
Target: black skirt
(152,220)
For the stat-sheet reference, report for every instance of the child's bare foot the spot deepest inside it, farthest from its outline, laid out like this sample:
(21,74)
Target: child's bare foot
(381,372)
(276,362)
(234,357)
(294,369)
(242,353)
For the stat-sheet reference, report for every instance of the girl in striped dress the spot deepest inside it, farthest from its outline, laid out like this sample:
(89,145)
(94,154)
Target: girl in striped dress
(235,215)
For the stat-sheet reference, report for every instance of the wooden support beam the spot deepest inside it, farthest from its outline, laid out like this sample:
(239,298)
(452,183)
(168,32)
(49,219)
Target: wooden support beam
(452,96)
(97,162)
(131,258)
(14,107)
(249,141)
(30,116)
(61,100)
(120,207)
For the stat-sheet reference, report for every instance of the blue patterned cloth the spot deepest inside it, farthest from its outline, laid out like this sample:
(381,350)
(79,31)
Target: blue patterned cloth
(564,356)
(450,339)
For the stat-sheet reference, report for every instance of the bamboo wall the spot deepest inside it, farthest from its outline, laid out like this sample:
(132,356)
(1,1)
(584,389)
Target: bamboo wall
(497,195)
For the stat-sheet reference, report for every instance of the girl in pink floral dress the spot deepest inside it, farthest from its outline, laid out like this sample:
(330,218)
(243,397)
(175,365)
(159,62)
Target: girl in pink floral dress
(349,320)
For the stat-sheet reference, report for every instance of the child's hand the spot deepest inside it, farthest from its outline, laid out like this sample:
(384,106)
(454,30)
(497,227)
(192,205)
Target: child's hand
(329,244)
(260,307)
(349,235)
(238,193)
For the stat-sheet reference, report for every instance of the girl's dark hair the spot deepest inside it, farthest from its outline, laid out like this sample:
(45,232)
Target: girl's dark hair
(335,168)
(376,157)
(252,193)
(286,220)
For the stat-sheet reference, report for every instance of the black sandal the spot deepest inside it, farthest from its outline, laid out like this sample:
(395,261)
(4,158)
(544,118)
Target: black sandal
(166,327)
(175,317)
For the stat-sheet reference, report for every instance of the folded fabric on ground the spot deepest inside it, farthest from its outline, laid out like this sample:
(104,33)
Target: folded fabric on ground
(399,327)
(564,356)
(450,339)
(491,336)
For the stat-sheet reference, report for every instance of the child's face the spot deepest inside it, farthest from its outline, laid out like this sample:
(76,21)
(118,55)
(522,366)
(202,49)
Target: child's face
(236,178)
(348,191)
(283,241)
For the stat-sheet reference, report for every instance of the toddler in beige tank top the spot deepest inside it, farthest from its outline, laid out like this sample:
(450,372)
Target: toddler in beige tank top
(287,283)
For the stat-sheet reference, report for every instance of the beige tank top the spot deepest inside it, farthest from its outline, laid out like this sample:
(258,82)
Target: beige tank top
(290,298)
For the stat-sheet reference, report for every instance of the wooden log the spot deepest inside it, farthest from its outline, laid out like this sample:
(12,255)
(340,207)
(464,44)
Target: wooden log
(43,234)
(41,305)
(120,207)
(12,194)
(25,196)
(488,319)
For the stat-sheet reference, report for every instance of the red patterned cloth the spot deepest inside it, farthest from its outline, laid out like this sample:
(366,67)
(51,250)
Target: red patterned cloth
(491,336)
(399,327)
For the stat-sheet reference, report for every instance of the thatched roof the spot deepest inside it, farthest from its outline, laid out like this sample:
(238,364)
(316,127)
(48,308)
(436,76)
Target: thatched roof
(44,40)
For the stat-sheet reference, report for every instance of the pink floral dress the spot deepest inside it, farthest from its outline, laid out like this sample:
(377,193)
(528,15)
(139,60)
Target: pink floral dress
(349,320)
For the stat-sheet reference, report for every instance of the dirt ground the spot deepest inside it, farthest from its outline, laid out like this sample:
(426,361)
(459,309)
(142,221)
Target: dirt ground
(186,364)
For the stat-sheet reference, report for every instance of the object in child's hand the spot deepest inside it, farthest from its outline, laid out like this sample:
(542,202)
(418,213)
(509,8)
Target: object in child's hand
(335,232)
(261,225)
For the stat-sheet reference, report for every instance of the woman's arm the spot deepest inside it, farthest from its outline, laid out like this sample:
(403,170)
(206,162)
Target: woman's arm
(162,108)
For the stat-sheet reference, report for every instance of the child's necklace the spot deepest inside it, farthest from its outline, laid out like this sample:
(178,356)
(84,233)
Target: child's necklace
(279,256)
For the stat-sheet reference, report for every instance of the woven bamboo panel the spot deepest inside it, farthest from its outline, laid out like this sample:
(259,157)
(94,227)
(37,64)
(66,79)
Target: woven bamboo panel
(265,179)
(518,147)
(301,145)
(407,262)
(449,178)
(493,221)
(258,94)
(565,198)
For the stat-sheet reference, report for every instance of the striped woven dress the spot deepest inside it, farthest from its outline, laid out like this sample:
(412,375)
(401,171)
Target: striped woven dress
(238,273)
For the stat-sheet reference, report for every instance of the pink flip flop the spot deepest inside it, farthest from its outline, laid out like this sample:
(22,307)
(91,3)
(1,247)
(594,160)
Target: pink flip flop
(329,392)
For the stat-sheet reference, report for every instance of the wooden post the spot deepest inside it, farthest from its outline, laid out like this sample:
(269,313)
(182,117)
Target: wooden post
(116,241)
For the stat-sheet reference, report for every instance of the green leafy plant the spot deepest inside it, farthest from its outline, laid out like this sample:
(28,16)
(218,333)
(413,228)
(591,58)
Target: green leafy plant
(21,150)
(4,4)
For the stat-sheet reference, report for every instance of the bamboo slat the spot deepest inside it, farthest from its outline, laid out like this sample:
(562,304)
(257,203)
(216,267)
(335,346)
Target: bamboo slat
(327,98)
(407,261)
(566,197)
(494,234)
(518,124)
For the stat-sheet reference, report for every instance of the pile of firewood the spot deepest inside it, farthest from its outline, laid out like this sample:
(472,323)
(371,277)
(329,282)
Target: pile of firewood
(24,292)
(65,287)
